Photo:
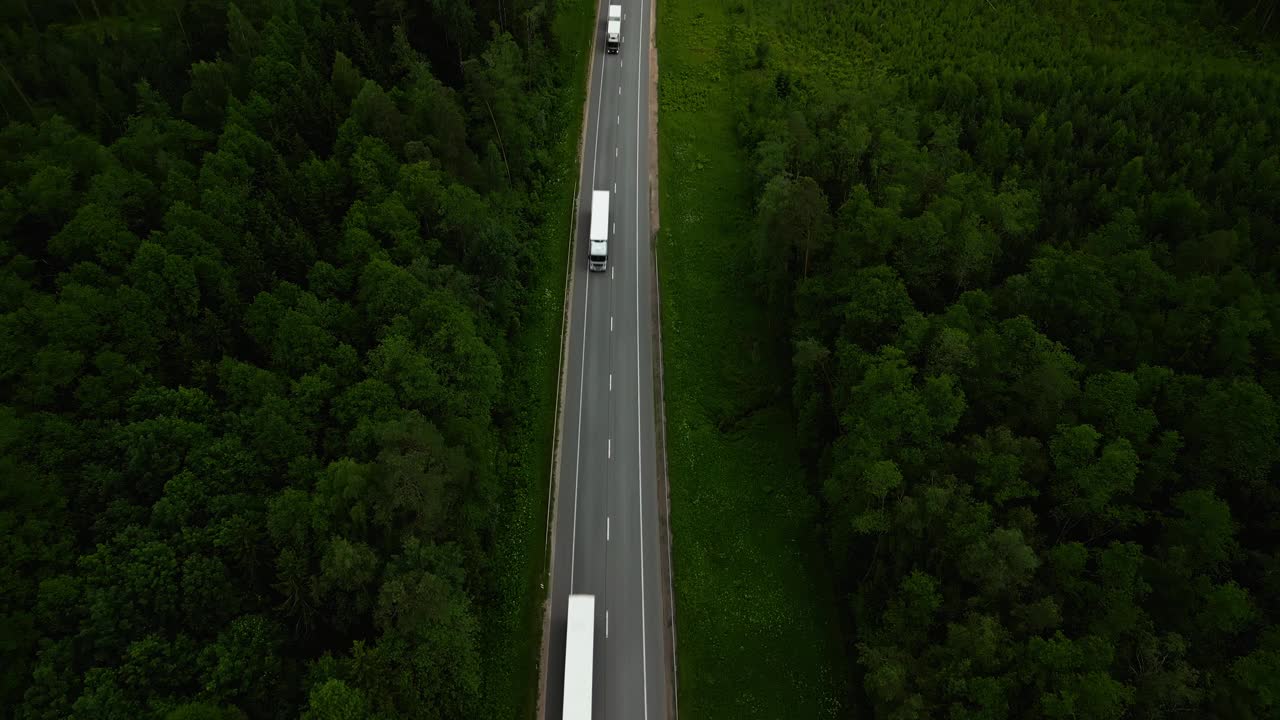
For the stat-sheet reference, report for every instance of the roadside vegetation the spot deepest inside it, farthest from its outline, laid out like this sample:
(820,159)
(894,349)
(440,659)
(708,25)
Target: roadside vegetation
(513,641)
(1024,258)
(280,291)
(755,614)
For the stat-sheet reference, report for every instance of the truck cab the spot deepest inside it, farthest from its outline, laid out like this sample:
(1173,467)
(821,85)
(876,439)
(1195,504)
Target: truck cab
(613,34)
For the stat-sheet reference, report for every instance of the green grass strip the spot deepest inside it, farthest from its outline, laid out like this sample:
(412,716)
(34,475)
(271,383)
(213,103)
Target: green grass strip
(755,610)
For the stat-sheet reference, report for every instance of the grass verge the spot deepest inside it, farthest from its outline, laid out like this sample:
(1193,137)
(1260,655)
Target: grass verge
(756,610)
(512,641)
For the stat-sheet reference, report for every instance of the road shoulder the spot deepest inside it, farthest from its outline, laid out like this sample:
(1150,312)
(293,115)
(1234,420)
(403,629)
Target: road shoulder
(670,658)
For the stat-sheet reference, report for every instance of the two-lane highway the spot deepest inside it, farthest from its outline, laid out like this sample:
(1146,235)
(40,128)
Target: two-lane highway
(606,520)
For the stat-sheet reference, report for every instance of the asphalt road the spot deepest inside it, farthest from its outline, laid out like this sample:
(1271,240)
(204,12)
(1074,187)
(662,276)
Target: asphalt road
(606,533)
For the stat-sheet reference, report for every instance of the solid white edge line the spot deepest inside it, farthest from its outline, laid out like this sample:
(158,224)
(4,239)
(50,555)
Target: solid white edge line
(595,143)
(644,633)
(577,459)
(586,298)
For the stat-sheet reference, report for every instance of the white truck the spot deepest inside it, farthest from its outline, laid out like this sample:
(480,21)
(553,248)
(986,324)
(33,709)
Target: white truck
(598,258)
(578,643)
(613,34)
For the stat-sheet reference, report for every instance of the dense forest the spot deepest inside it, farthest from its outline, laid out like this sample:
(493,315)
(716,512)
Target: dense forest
(261,265)
(1026,257)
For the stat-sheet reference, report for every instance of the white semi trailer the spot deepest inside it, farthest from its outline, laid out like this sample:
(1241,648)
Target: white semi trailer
(598,260)
(613,34)
(578,660)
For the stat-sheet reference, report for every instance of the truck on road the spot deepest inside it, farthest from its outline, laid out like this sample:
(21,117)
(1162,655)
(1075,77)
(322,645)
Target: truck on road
(598,259)
(578,644)
(613,34)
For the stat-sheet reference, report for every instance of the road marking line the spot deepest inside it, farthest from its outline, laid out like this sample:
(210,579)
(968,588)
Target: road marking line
(644,632)
(577,462)
(610,323)
(610,448)
(615,152)
(610,382)
(577,459)
(612,270)
(606,528)
(615,187)
(595,143)
(606,623)
(619,117)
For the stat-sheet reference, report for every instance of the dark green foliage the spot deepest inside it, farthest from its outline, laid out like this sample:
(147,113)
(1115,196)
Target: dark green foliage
(1026,257)
(259,281)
